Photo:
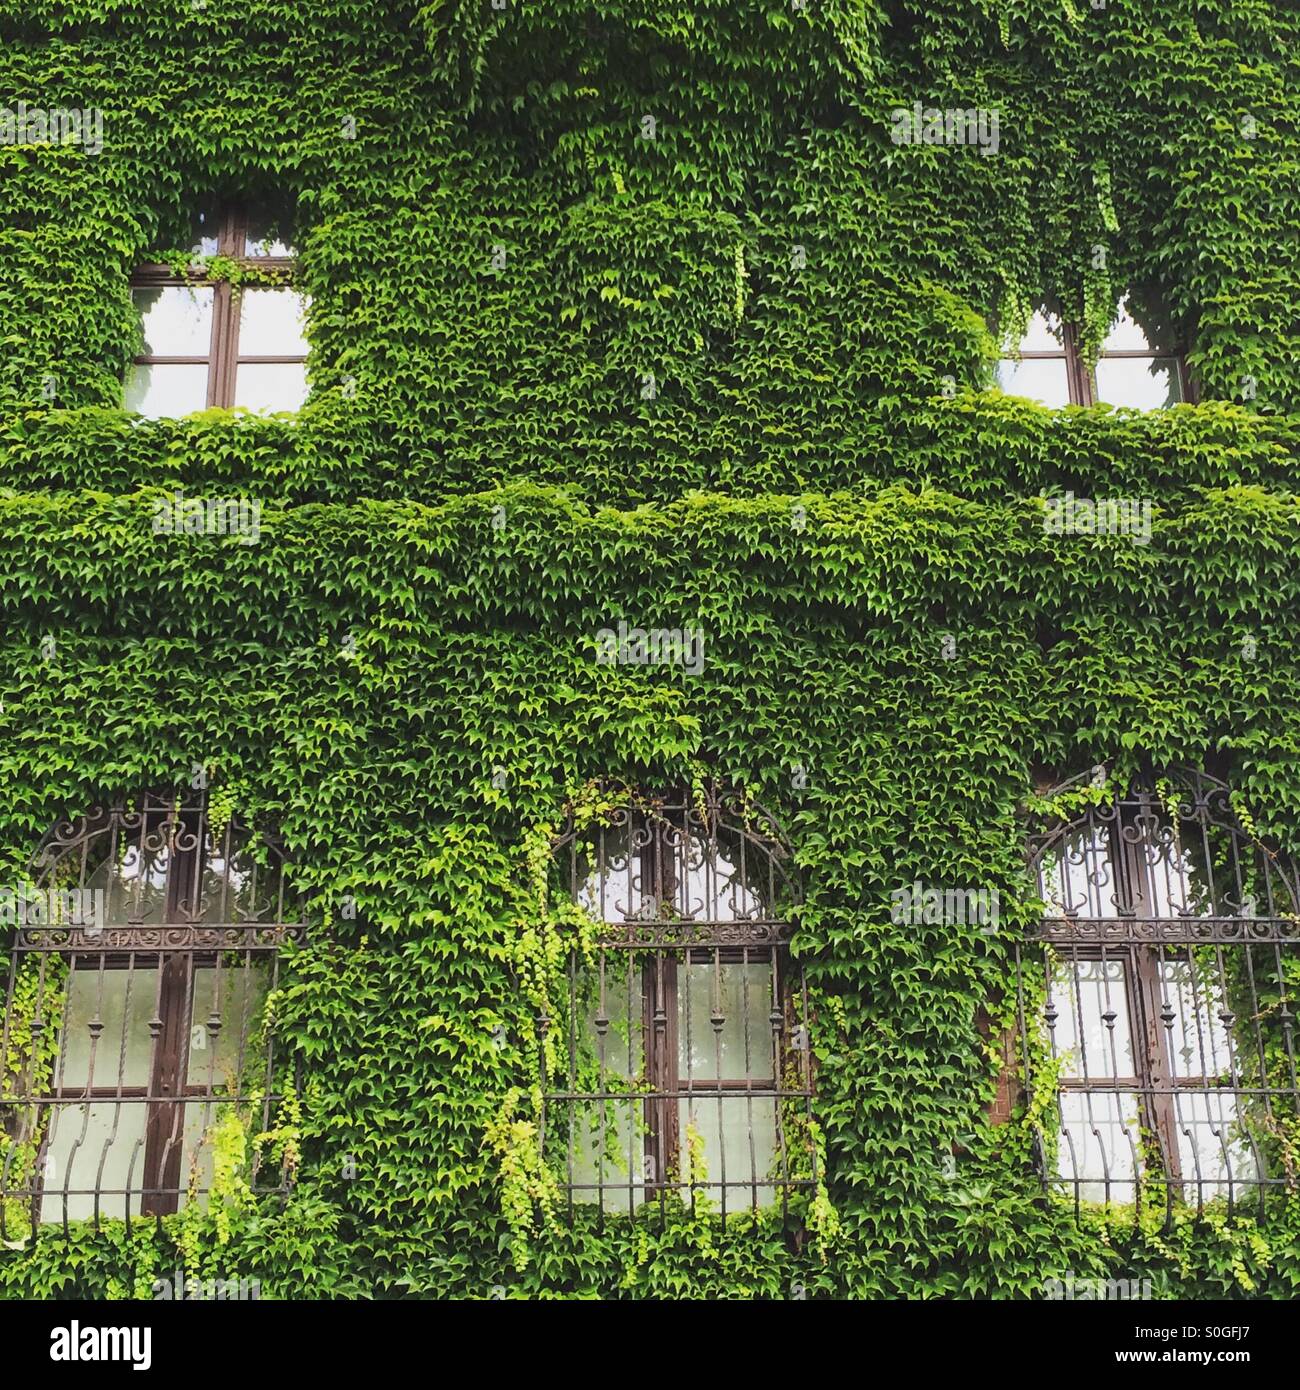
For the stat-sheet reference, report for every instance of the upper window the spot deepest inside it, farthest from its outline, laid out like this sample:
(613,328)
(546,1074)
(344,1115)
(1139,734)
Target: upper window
(1135,367)
(140,958)
(207,342)
(688,1067)
(1165,1004)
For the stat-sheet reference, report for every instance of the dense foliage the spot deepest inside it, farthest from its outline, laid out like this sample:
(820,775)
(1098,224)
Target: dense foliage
(498,258)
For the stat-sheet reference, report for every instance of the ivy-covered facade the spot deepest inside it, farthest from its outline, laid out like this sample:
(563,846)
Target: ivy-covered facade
(652,483)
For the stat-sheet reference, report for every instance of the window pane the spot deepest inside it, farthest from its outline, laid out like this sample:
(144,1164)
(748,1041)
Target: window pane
(1045,334)
(1041,379)
(735,1137)
(1198,1040)
(235,994)
(175,320)
(261,238)
(605,1140)
(132,870)
(1077,878)
(1127,335)
(204,228)
(1143,383)
(270,386)
(1091,1033)
(1099,1142)
(271,323)
(97,1147)
(124,1002)
(1211,1146)
(242,890)
(738,1000)
(166,391)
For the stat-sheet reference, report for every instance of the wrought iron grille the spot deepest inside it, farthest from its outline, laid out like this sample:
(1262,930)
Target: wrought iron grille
(1161,984)
(688,1061)
(139,962)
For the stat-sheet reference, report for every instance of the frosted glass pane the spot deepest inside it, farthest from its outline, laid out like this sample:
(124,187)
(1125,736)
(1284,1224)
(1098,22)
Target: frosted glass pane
(1039,379)
(236,993)
(1099,1142)
(1044,334)
(272,323)
(607,1147)
(94,1147)
(124,1001)
(739,997)
(1083,992)
(739,1146)
(1142,383)
(268,387)
(166,390)
(1211,1148)
(175,320)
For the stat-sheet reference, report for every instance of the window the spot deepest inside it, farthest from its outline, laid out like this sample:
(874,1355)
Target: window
(206,343)
(139,962)
(1136,367)
(688,1066)
(1164,996)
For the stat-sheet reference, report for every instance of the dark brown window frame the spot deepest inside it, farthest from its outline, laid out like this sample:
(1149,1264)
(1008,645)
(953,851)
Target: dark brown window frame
(1081,382)
(223,358)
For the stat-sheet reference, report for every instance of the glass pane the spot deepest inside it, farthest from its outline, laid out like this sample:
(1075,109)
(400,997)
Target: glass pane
(1092,1035)
(734,1138)
(166,391)
(175,320)
(203,234)
(716,879)
(235,993)
(1198,1040)
(124,1002)
(1045,334)
(132,870)
(607,1153)
(1143,383)
(97,1147)
(272,323)
(241,890)
(1099,1141)
(725,1032)
(605,1141)
(1211,1146)
(1077,878)
(270,386)
(1041,379)
(262,238)
(1127,335)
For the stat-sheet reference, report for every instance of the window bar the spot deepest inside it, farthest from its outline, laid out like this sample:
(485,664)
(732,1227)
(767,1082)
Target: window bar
(638,1077)
(717,1020)
(749,1075)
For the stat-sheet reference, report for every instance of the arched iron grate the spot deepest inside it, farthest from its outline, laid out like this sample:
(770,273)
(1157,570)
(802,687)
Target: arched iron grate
(1158,991)
(688,1067)
(140,958)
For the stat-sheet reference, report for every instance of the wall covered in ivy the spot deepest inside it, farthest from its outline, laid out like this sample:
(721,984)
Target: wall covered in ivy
(733,375)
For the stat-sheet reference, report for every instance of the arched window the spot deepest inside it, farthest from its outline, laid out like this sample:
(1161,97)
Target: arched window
(140,957)
(687,1051)
(1166,998)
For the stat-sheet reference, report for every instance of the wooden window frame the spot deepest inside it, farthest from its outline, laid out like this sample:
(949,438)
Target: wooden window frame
(223,358)
(1082,383)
